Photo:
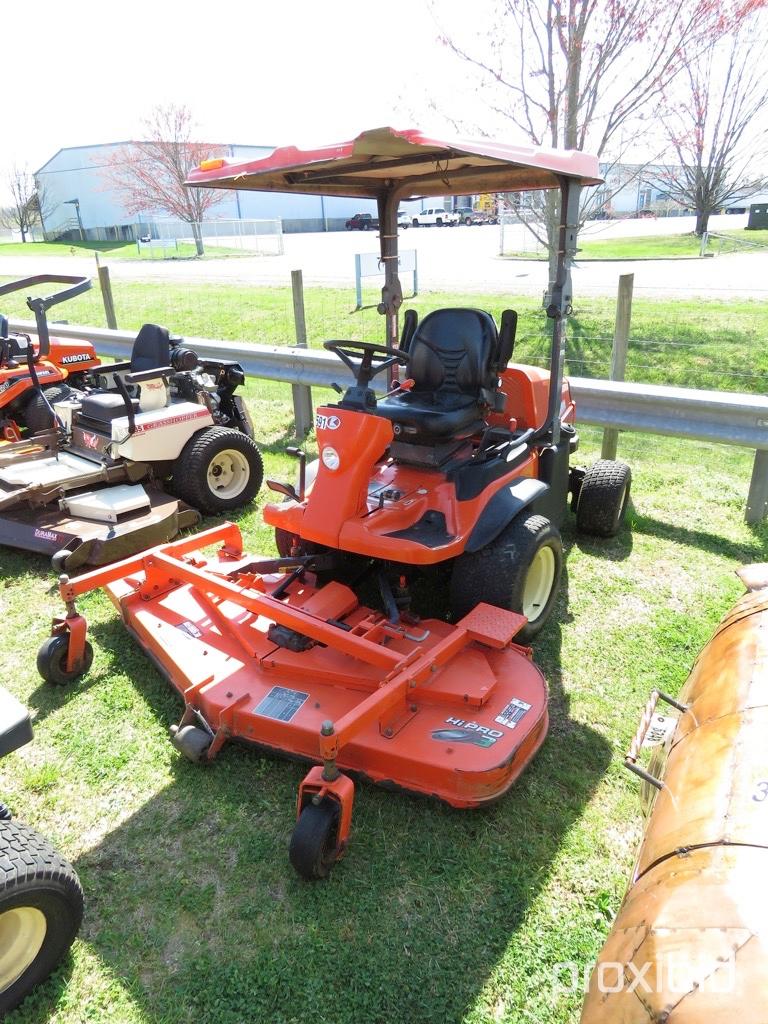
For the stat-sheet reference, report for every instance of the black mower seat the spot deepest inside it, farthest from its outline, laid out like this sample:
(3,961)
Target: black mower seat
(454,361)
(151,349)
(106,407)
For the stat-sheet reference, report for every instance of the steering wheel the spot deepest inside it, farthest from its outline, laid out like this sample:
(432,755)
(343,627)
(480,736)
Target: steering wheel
(364,368)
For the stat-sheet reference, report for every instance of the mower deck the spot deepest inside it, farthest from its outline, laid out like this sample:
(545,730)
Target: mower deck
(302,669)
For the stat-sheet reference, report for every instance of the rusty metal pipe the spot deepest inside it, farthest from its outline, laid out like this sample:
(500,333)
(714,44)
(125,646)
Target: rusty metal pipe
(690,943)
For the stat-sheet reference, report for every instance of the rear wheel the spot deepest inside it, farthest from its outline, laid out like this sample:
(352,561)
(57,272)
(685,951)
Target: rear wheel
(37,415)
(314,840)
(520,571)
(603,498)
(219,469)
(41,907)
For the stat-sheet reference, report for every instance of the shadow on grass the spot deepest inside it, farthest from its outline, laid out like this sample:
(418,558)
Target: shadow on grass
(192,902)
(712,542)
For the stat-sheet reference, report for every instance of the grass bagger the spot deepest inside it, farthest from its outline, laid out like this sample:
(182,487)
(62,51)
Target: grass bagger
(133,461)
(458,477)
(41,901)
(33,374)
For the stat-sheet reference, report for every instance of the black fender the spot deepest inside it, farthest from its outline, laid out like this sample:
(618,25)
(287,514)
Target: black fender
(506,503)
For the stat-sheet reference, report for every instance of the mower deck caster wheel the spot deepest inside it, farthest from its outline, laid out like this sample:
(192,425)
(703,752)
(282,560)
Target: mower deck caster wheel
(52,660)
(59,560)
(191,741)
(313,849)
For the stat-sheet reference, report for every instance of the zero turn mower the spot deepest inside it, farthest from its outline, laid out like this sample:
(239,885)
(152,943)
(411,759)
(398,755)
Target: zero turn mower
(35,373)
(130,464)
(461,472)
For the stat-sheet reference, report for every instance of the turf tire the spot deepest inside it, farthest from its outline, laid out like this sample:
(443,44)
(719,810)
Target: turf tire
(34,876)
(37,416)
(603,498)
(497,574)
(190,475)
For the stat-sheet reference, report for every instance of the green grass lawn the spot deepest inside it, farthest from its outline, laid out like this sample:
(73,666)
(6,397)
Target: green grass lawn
(114,250)
(654,246)
(435,915)
(690,342)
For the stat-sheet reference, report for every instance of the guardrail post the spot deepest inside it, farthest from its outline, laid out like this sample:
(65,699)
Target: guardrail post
(106,295)
(757,501)
(303,415)
(619,353)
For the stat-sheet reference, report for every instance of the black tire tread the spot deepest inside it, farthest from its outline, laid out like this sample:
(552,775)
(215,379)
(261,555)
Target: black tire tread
(490,574)
(191,488)
(36,415)
(29,864)
(316,822)
(598,512)
(49,656)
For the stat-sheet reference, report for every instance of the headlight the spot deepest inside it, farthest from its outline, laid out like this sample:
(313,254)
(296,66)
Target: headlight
(330,458)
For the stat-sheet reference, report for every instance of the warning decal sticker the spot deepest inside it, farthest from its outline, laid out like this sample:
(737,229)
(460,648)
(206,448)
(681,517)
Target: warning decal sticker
(190,629)
(512,713)
(281,704)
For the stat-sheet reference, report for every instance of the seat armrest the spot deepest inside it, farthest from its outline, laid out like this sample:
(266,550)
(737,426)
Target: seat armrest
(144,375)
(15,724)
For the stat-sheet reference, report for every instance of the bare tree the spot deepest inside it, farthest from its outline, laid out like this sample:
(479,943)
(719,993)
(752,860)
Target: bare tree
(150,175)
(716,128)
(28,203)
(586,74)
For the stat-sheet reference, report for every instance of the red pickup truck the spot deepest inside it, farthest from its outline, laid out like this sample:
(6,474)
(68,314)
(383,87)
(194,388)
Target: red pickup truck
(362,222)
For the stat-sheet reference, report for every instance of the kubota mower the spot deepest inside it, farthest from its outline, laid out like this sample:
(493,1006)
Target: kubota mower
(35,373)
(460,473)
(129,465)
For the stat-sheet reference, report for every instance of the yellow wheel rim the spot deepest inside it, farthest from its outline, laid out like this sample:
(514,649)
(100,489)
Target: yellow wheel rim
(538,583)
(22,933)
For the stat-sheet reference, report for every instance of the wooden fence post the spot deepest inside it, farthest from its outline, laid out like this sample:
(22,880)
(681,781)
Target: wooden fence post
(106,295)
(303,415)
(619,353)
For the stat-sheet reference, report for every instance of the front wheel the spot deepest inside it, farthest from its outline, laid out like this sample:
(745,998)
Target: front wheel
(313,849)
(219,469)
(520,570)
(41,908)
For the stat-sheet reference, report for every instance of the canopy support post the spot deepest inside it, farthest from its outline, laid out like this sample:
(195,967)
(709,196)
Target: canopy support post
(392,292)
(561,298)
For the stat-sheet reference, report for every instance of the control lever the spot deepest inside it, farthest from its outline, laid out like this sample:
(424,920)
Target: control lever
(301,455)
(403,385)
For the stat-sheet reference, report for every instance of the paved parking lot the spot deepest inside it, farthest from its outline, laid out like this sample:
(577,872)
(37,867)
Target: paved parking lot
(452,259)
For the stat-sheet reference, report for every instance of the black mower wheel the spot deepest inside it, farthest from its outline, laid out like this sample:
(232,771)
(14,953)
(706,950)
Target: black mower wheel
(52,660)
(219,469)
(603,498)
(520,571)
(37,415)
(41,908)
(314,840)
(192,742)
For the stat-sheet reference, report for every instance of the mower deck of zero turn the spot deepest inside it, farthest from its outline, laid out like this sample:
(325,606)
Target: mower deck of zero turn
(95,488)
(460,476)
(48,365)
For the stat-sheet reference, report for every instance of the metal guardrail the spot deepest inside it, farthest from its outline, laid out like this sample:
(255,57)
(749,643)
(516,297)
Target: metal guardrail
(720,416)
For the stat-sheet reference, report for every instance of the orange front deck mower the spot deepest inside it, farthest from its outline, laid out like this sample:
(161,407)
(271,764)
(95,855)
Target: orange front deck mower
(454,483)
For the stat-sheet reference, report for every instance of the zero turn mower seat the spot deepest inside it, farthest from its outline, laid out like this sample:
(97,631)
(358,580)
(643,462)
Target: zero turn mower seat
(105,406)
(455,361)
(151,349)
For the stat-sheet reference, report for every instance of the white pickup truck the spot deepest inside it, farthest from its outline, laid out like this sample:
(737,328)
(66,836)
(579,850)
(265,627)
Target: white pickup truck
(435,215)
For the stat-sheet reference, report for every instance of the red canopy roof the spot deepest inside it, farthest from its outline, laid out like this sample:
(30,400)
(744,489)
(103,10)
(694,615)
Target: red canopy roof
(412,163)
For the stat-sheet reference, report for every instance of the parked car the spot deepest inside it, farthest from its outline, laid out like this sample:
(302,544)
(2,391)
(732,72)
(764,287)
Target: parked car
(469,216)
(362,222)
(435,215)
(404,219)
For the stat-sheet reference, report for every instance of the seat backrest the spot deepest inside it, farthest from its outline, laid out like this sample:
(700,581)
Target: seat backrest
(3,326)
(152,348)
(454,351)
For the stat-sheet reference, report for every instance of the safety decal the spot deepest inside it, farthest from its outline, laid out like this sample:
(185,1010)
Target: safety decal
(514,711)
(281,704)
(190,629)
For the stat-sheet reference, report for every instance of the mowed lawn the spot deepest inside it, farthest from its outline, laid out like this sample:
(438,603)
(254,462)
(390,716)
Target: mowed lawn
(435,915)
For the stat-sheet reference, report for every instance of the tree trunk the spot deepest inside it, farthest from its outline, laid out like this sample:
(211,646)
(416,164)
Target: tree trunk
(23,233)
(198,236)
(702,222)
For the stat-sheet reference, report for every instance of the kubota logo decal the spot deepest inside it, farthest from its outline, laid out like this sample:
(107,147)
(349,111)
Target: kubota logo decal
(78,357)
(328,422)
